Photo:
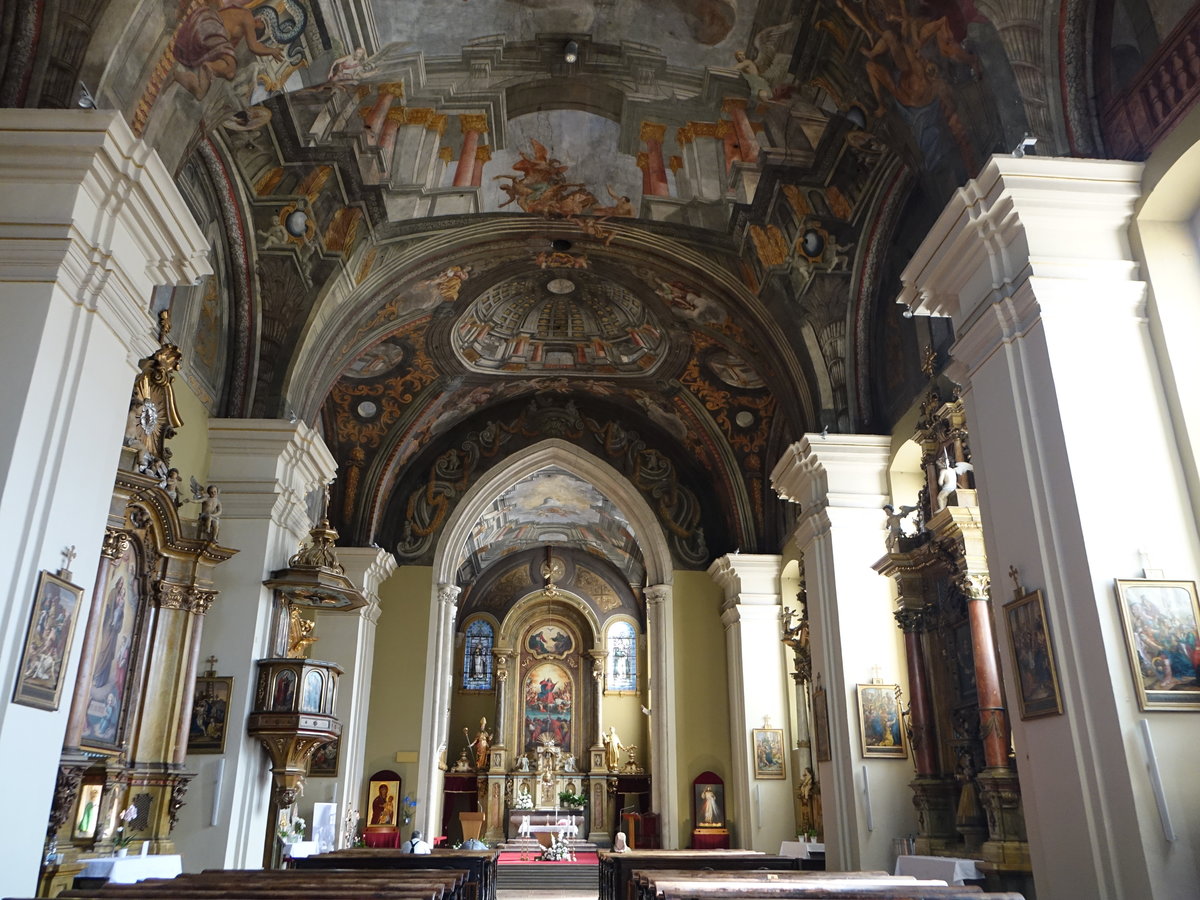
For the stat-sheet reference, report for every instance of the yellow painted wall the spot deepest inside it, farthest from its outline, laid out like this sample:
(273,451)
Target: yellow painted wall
(701,692)
(398,679)
(189,448)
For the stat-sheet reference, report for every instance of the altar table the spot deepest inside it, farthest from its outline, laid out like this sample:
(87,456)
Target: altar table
(128,869)
(802,849)
(948,868)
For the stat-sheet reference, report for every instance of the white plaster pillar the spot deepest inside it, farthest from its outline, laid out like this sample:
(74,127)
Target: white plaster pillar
(1078,475)
(664,761)
(266,468)
(840,482)
(757,692)
(90,222)
(435,713)
(348,639)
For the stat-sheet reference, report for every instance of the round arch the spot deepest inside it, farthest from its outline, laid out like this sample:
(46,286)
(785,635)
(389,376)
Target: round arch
(439,672)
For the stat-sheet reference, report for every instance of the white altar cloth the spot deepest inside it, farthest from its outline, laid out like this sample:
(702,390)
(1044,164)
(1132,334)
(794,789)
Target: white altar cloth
(802,849)
(301,849)
(566,827)
(128,869)
(948,868)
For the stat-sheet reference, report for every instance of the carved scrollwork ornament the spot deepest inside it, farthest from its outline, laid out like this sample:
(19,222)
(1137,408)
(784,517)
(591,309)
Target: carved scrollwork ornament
(172,596)
(286,796)
(66,789)
(447,594)
(115,543)
(200,602)
(913,619)
(178,791)
(975,585)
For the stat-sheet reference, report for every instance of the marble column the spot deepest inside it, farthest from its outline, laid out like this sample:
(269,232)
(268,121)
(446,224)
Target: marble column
(654,175)
(747,143)
(472,127)
(435,712)
(1032,262)
(92,223)
(375,115)
(664,749)
(841,483)
(762,811)
(348,639)
(266,469)
(503,661)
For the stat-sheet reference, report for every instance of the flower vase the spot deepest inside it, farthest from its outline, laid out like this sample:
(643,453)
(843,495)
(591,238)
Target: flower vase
(122,851)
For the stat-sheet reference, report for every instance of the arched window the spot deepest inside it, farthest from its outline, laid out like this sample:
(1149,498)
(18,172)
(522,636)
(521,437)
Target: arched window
(477,656)
(622,657)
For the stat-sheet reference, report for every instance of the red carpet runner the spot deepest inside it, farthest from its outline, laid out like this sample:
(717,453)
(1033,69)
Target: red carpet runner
(513,857)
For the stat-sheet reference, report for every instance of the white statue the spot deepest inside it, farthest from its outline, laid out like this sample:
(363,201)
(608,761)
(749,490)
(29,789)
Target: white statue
(569,763)
(522,763)
(947,479)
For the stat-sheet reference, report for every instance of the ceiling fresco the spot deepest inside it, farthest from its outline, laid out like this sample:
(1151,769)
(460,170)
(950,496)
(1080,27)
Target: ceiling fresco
(440,241)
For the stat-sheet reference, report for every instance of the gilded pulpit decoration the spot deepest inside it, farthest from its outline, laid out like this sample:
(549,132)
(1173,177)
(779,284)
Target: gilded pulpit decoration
(314,576)
(300,634)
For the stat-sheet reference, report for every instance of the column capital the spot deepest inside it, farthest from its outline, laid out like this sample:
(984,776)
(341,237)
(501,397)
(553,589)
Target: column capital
(476,122)
(652,131)
(839,470)
(267,468)
(748,579)
(97,213)
(1020,218)
(656,594)
(447,594)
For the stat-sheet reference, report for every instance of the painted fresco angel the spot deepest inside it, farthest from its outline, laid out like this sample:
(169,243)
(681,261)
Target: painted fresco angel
(767,71)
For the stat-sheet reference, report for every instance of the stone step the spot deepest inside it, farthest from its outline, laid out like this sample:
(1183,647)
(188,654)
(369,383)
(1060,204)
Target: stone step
(547,876)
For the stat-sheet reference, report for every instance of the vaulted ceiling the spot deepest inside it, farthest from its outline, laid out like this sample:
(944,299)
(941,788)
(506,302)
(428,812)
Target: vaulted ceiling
(441,241)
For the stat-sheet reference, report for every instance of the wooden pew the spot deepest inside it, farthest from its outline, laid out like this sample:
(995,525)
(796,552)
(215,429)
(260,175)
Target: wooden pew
(645,880)
(217,884)
(480,864)
(797,886)
(615,868)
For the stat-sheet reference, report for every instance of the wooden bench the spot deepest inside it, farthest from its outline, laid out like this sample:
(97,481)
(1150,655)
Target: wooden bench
(479,864)
(257,884)
(615,868)
(677,885)
(644,881)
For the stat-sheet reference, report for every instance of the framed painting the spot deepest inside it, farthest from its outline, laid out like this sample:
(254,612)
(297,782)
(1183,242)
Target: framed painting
(383,796)
(1161,621)
(709,798)
(325,760)
(1038,692)
(114,627)
(210,708)
(768,752)
(820,725)
(880,722)
(47,643)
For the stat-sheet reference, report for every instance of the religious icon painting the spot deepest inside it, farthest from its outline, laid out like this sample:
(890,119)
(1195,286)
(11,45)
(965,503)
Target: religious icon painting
(115,615)
(1038,693)
(383,795)
(324,763)
(210,708)
(881,722)
(820,721)
(87,810)
(47,643)
(709,798)
(1161,620)
(768,753)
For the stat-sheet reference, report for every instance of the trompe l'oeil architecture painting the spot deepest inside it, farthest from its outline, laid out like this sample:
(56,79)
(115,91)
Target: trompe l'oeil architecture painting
(539,421)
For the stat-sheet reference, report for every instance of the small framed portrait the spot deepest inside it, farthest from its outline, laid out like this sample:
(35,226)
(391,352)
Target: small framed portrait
(1161,621)
(210,709)
(710,804)
(768,753)
(1038,693)
(325,759)
(383,799)
(820,725)
(880,722)
(47,643)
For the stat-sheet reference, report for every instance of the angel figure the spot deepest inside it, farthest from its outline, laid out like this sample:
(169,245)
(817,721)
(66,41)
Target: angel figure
(210,509)
(895,524)
(767,72)
(947,479)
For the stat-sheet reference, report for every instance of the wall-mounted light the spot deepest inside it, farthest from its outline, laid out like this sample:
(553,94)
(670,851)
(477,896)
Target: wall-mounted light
(571,52)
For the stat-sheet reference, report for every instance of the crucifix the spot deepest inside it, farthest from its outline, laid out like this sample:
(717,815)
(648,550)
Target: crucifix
(1018,590)
(68,554)
(212,667)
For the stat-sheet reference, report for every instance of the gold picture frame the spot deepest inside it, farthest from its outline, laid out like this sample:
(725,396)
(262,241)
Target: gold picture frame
(770,755)
(1161,621)
(1034,666)
(210,714)
(881,722)
(43,666)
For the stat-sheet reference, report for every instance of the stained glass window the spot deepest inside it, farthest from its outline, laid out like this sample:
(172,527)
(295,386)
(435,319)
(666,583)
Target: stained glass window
(477,656)
(622,657)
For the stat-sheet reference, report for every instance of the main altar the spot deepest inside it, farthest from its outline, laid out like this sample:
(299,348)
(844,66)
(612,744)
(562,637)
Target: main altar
(546,763)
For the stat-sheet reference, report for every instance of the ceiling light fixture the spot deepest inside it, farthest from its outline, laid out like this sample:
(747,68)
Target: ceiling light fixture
(571,52)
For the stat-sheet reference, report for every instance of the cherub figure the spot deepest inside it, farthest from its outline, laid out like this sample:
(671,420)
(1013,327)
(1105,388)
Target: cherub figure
(767,72)
(210,509)
(947,479)
(895,525)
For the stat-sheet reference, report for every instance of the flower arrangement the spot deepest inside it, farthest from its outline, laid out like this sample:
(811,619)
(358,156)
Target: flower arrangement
(293,831)
(558,851)
(408,808)
(121,840)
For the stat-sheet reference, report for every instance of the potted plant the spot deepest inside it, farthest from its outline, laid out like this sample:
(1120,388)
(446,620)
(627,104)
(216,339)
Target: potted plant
(122,839)
(568,800)
(293,831)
